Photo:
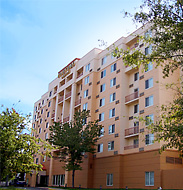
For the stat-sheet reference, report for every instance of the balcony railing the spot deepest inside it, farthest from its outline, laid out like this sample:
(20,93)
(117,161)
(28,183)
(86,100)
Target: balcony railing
(131,146)
(53,115)
(66,119)
(78,102)
(132,131)
(134,46)
(68,95)
(79,75)
(61,99)
(131,97)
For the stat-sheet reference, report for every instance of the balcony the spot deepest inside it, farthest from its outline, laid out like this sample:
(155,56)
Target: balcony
(134,46)
(77,102)
(68,95)
(132,97)
(133,131)
(79,75)
(130,69)
(131,146)
(60,99)
(53,116)
(66,119)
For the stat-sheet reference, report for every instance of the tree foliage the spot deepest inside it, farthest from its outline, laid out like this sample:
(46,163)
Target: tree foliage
(169,126)
(75,138)
(16,148)
(165,34)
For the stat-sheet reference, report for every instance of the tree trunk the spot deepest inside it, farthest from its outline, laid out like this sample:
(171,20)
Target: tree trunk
(7,178)
(73,172)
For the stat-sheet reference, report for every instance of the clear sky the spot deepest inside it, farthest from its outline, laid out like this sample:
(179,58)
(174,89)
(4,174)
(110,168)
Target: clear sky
(39,37)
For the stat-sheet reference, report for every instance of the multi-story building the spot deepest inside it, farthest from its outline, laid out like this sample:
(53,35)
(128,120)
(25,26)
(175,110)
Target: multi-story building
(126,154)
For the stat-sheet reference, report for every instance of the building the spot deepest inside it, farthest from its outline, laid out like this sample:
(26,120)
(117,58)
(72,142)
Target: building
(126,154)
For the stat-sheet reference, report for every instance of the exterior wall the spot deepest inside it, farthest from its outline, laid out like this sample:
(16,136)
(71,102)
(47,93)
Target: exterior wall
(131,156)
(172,179)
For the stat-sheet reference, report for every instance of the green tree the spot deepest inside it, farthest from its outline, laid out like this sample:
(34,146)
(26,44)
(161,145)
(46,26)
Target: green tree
(75,138)
(16,148)
(165,18)
(165,34)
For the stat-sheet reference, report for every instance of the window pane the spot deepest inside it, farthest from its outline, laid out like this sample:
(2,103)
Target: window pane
(147,178)
(151,178)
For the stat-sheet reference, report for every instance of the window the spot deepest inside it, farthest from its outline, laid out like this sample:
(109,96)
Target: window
(136,141)
(50,93)
(102,102)
(49,103)
(102,132)
(111,129)
(113,82)
(149,119)
(85,106)
(85,93)
(87,67)
(33,126)
(136,89)
(58,180)
(101,116)
(32,134)
(136,124)
(46,136)
(37,160)
(48,114)
(41,120)
(148,34)
(103,74)
(34,117)
(149,139)
(47,124)
(149,67)
(109,179)
(42,102)
(100,148)
(149,101)
(104,60)
(102,87)
(112,97)
(111,145)
(149,83)
(84,121)
(136,108)
(113,67)
(87,80)
(149,178)
(148,50)
(42,111)
(136,76)
(111,112)
(44,158)
(36,108)
(39,130)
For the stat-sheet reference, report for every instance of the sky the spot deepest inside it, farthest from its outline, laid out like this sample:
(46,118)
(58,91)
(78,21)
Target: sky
(39,37)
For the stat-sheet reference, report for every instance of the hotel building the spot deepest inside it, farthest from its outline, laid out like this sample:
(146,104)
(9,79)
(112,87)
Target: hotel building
(126,154)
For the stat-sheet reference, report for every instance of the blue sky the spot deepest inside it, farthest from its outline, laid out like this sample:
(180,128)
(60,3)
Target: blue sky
(39,37)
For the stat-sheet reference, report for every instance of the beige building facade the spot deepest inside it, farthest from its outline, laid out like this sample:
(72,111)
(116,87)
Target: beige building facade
(126,154)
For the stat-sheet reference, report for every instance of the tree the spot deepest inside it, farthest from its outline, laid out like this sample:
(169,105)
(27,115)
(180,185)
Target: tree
(165,20)
(16,148)
(75,138)
(169,126)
